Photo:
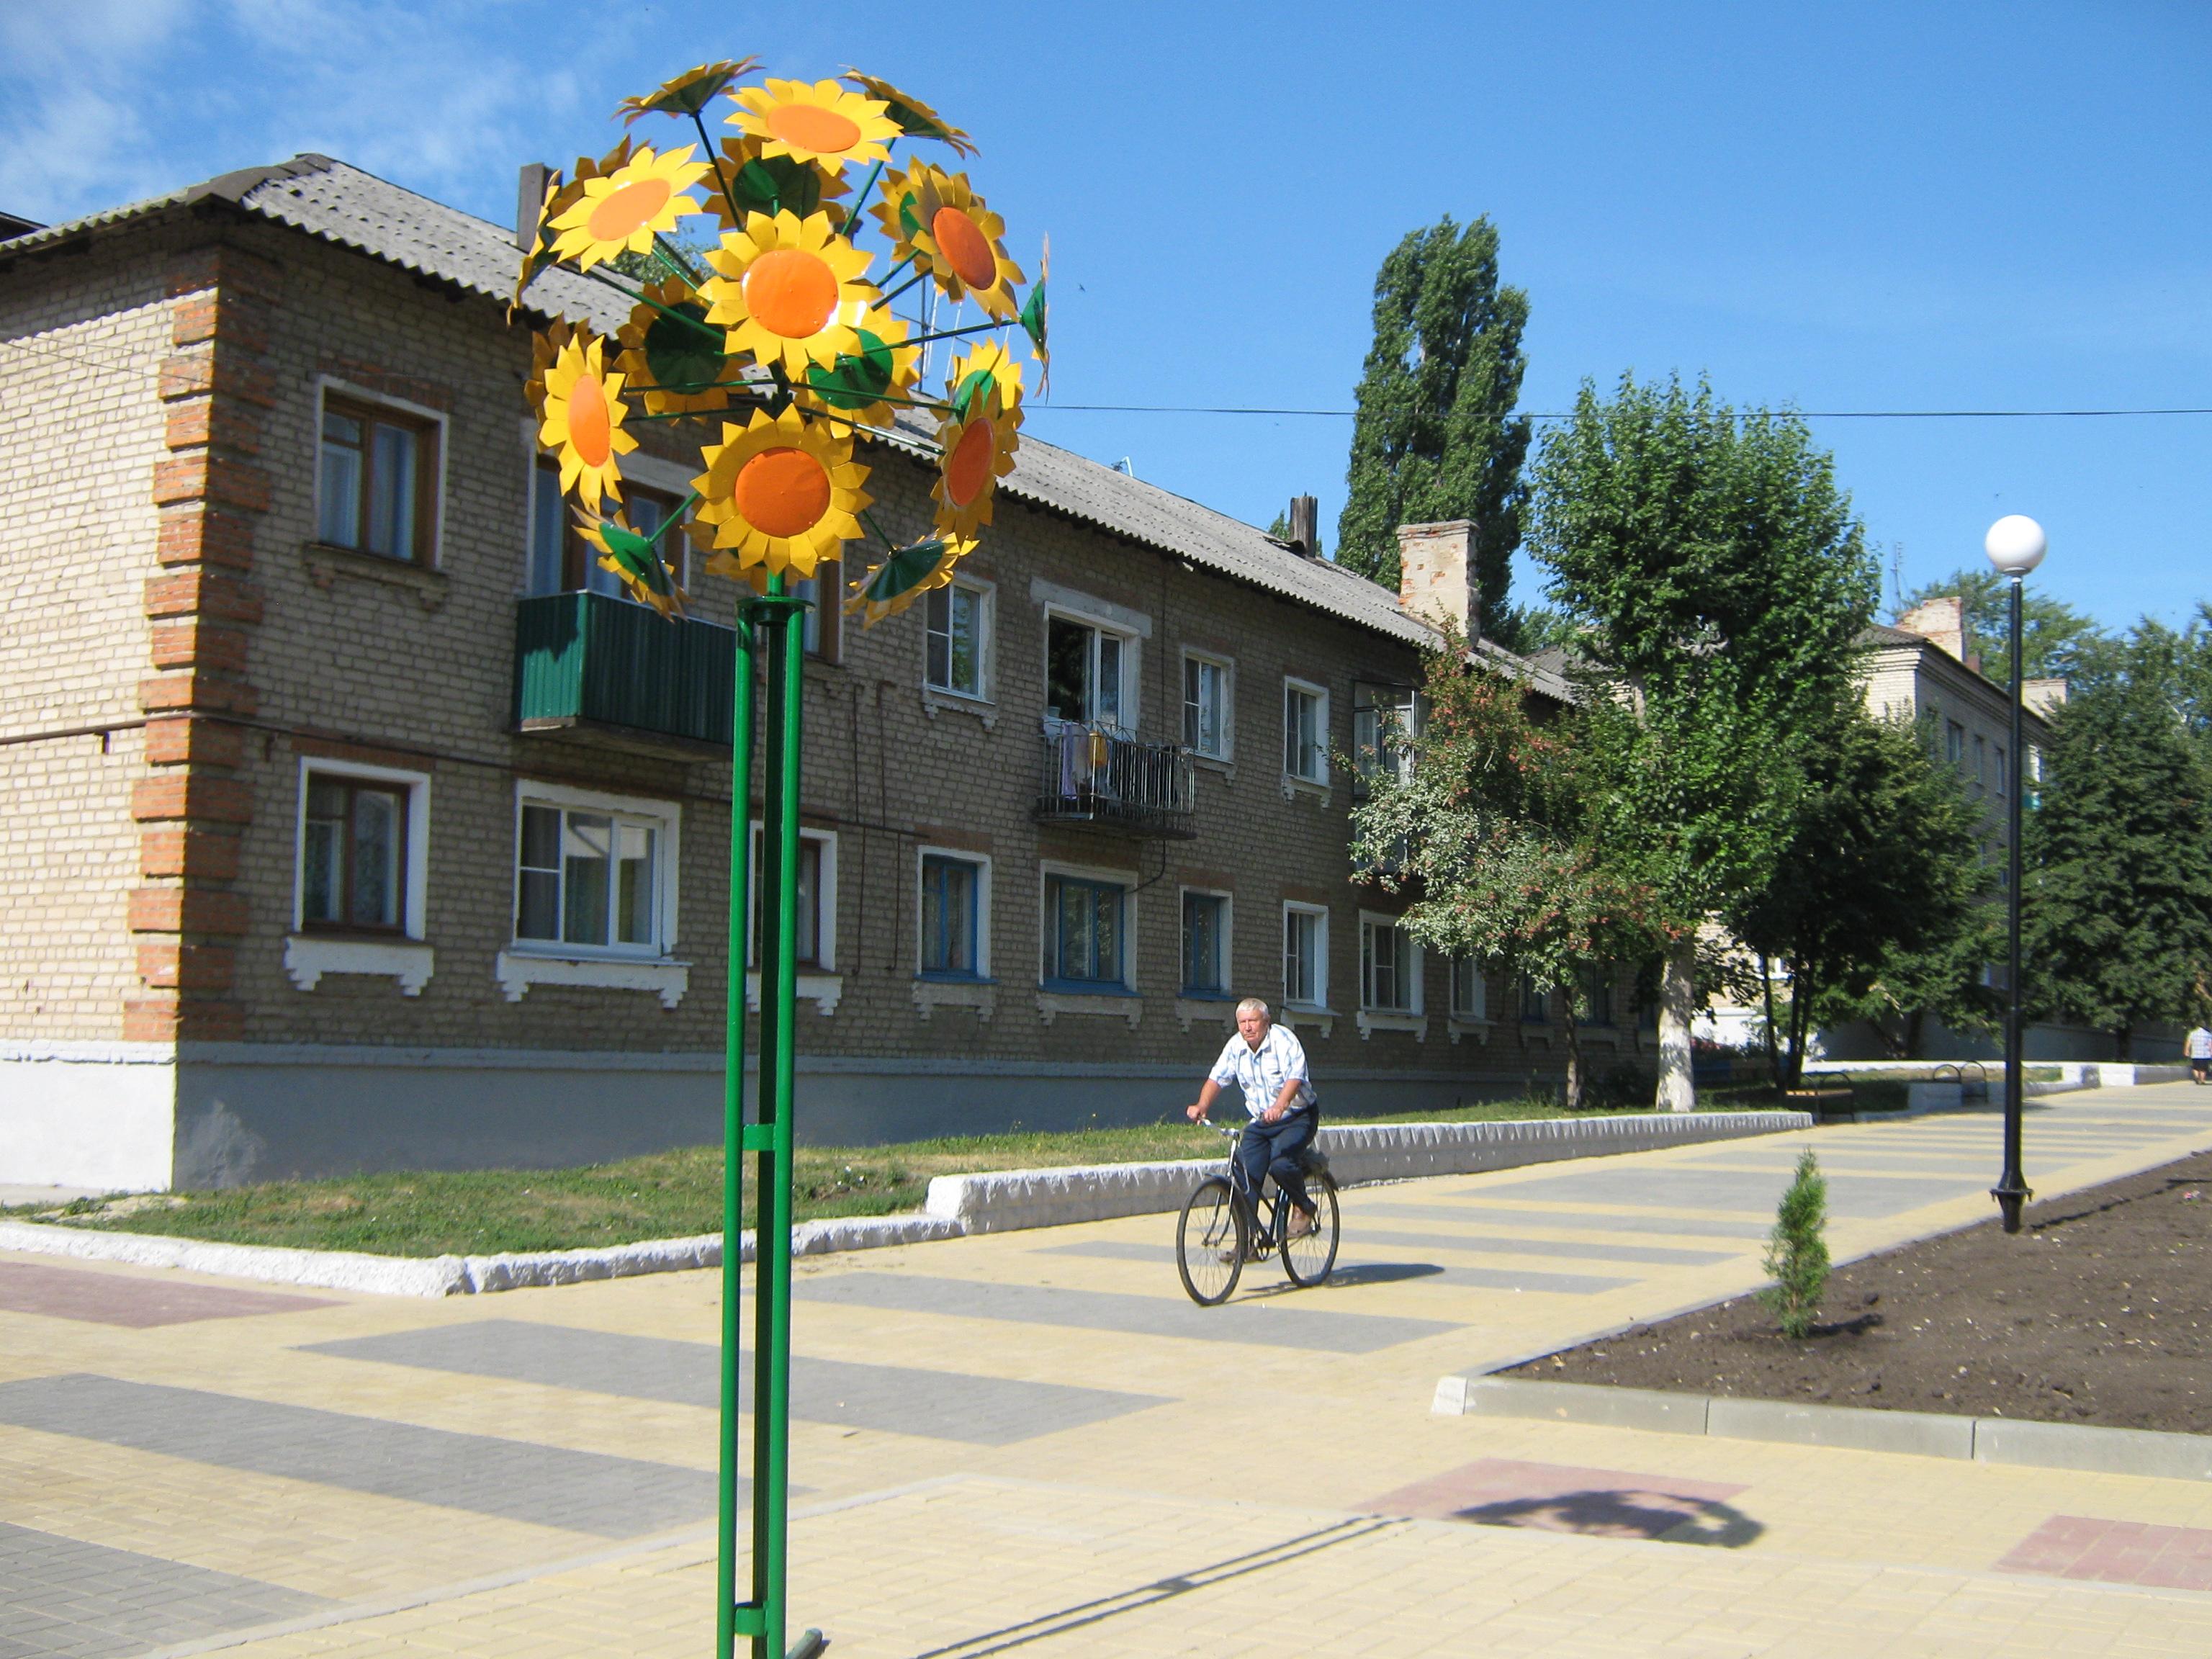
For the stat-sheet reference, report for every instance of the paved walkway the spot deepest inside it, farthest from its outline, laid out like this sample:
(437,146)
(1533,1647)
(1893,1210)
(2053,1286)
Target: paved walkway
(1032,1443)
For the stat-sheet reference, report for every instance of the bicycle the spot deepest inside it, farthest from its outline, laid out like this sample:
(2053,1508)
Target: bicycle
(1214,1237)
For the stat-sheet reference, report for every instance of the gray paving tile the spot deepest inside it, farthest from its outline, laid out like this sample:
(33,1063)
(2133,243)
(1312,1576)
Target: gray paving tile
(61,1598)
(1744,1193)
(983,1411)
(1567,1249)
(1502,1215)
(1265,1324)
(513,1479)
(1366,1268)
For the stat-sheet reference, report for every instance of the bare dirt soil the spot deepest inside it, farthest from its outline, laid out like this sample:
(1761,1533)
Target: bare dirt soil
(2098,1311)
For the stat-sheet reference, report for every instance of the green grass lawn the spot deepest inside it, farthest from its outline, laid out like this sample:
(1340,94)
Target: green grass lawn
(666,1196)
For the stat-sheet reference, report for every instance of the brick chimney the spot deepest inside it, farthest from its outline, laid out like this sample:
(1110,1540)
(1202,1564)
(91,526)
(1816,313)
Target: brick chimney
(1941,622)
(1436,575)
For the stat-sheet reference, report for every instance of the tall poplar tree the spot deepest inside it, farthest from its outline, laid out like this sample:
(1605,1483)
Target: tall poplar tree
(1723,583)
(2119,894)
(1436,438)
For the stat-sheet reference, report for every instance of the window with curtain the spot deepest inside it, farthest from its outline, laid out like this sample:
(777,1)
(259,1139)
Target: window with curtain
(376,481)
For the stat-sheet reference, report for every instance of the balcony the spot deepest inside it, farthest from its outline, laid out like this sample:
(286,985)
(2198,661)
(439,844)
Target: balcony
(592,669)
(1098,777)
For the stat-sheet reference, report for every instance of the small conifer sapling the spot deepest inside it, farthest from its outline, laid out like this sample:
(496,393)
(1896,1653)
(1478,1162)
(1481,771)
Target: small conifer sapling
(1797,1249)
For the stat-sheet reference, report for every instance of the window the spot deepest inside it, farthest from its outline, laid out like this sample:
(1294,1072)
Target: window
(1204,944)
(819,627)
(1981,762)
(952,892)
(1597,993)
(957,626)
(353,856)
(1389,967)
(1305,956)
(1535,1003)
(1954,742)
(1084,924)
(1206,716)
(562,562)
(377,481)
(1305,732)
(2000,771)
(1383,724)
(1087,672)
(1470,996)
(591,879)
(816,949)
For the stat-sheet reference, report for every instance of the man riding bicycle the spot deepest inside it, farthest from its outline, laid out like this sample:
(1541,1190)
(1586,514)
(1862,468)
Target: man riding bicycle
(1269,1064)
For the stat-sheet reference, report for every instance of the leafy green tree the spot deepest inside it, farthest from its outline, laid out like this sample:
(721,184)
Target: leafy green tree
(1435,437)
(2118,928)
(2055,639)
(1881,872)
(1723,583)
(1491,826)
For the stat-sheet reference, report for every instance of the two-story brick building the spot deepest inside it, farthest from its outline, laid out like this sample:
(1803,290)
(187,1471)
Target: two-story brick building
(349,822)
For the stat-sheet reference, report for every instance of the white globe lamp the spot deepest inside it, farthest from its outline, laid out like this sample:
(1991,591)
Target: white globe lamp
(2014,544)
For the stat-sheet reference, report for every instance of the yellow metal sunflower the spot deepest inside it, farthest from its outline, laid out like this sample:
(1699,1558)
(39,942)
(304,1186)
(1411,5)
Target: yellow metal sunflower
(544,351)
(621,211)
(789,290)
(686,93)
(869,383)
(584,415)
(817,122)
(915,118)
(938,219)
(560,196)
(771,184)
(681,366)
(635,560)
(977,441)
(782,492)
(904,576)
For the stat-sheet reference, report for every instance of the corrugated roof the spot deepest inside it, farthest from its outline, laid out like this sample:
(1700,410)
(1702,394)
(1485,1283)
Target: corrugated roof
(355,210)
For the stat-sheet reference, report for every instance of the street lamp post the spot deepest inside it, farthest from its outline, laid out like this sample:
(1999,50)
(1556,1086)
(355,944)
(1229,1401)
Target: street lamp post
(2014,544)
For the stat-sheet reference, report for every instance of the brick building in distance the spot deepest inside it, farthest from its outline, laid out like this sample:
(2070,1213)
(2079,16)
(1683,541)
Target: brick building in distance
(352,824)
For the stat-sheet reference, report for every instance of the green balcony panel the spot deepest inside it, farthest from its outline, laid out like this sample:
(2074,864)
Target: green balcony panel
(590,668)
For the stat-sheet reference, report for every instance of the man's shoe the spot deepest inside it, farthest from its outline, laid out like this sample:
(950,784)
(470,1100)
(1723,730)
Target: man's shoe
(1301,1225)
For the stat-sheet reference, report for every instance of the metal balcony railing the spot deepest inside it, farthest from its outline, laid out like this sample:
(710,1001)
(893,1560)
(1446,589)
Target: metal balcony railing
(1101,777)
(594,669)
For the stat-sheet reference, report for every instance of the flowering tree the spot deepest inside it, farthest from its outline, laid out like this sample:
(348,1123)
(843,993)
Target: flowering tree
(783,334)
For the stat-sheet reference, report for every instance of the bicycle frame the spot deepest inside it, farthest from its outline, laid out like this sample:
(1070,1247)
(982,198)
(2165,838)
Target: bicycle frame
(1264,1238)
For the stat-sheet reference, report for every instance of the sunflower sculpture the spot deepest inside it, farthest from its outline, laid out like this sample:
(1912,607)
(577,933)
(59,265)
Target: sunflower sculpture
(753,303)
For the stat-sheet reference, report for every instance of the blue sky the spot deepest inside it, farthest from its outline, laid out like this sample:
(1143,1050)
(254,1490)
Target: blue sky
(1862,207)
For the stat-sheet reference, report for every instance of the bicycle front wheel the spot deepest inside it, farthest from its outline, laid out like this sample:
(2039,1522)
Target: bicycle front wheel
(1211,1242)
(1310,1258)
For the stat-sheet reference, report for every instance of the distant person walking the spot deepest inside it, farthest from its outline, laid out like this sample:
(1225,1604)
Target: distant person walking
(2197,1045)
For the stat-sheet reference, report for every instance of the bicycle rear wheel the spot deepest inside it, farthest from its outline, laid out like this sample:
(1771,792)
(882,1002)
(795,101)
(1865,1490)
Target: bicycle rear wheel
(1309,1259)
(1211,1242)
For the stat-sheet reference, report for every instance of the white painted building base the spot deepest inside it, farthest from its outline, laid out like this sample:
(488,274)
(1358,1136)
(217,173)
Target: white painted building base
(98,1115)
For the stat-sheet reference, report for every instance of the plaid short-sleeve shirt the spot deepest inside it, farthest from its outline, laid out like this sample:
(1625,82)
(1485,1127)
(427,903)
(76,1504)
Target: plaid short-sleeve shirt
(1263,1071)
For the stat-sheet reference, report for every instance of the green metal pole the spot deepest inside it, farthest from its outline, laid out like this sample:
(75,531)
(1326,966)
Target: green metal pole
(733,1132)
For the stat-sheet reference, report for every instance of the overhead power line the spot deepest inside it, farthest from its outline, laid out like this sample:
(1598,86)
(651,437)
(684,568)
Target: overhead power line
(1530,415)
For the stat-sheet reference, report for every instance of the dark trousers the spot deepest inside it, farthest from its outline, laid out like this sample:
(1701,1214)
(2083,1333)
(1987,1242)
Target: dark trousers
(1273,1149)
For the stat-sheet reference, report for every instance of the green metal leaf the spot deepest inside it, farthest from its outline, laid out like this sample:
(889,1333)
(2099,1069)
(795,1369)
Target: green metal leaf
(1033,316)
(774,182)
(907,569)
(971,392)
(854,381)
(680,354)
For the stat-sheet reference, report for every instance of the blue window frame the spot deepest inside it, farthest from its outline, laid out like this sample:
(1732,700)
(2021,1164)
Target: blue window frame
(1083,933)
(950,890)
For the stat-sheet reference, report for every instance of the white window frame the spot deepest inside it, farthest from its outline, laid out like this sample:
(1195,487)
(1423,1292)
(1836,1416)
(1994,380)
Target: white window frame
(826,899)
(437,419)
(667,816)
(981,864)
(414,924)
(1128,626)
(1226,945)
(1319,694)
(1128,880)
(1227,753)
(987,627)
(1415,965)
(1318,1004)
(1466,970)
(1367,748)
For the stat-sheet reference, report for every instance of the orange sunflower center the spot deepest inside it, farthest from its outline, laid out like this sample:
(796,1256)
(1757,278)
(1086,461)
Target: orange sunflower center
(791,292)
(782,492)
(810,126)
(968,469)
(591,424)
(965,248)
(622,213)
